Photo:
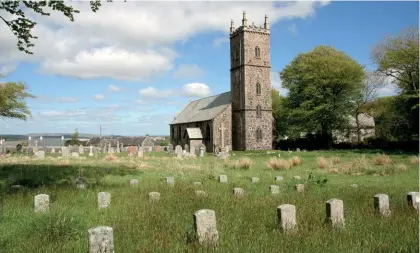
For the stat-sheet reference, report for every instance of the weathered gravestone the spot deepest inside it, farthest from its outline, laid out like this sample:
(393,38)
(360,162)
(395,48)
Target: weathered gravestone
(286,215)
(278,178)
(101,240)
(205,227)
(300,187)
(134,182)
(381,204)
(178,151)
(140,153)
(255,180)
(170,181)
(81,150)
(335,213)
(200,193)
(170,148)
(223,179)
(413,200)
(80,183)
(104,199)
(274,189)
(53,151)
(40,154)
(202,151)
(74,154)
(42,202)
(238,191)
(154,196)
(91,150)
(186,147)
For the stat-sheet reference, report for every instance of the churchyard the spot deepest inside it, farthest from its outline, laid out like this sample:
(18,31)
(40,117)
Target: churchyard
(152,203)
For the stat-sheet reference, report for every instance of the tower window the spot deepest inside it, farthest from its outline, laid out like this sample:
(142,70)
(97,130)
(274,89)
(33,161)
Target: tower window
(257,52)
(258,89)
(258,111)
(258,134)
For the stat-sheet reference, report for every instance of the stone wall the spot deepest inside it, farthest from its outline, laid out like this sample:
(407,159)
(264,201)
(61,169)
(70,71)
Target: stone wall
(226,118)
(181,128)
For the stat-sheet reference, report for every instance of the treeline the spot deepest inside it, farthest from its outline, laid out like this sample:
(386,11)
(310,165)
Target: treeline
(327,88)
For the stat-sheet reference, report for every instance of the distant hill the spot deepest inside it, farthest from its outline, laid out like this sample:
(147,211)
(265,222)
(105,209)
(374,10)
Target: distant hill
(58,135)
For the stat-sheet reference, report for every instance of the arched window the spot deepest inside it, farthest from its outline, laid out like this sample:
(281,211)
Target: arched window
(208,132)
(257,51)
(237,54)
(259,134)
(179,132)
(258,89)
(258,111)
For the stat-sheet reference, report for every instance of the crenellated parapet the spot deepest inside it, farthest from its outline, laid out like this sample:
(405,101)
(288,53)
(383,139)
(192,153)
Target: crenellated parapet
(265,30)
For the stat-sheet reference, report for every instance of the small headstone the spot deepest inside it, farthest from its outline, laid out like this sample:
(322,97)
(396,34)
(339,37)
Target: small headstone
(140,153)
(101,240)
(154,196)
(134,182)
(81,150)
(238,191)
(200,193)
(300,187)
(170,181)
(223,179)
(40,154)
(118,147)
(91,150)
(197,183)
(354,186)
(381,204)
(157,149)
(297,178)
(53,151)
(202,152)
(80,183)
(286,215)
(274,189)
(74,154)
(335,213)
(255,180)
(42,202)
(104,199)
(298,150)
(278,178)
(178,151)
(186,148)
(413,200)
(205,227)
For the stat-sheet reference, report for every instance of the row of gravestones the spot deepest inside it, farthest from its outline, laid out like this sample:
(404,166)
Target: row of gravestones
(192,150)
(101,238)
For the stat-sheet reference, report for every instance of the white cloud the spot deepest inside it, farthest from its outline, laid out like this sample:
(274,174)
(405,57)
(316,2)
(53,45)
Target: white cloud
(98,97)
(276,83)
(55,113)
(218,41)
(68,100)
(113,88)
(132,40)
(292,29)
(188,71)
(196,90)
(151,92)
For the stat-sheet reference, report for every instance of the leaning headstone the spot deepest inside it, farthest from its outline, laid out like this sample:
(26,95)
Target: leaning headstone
(101,240)
(104,199)
(274,189)
(42,202)
(255,180)
(286,215)
(300,187)
(278,178)
(80,183)
(381,204)
(154,196)
(40,154)
(205,227)
(178,151)
(200,193)
(134,182)
(74,154)
(170,181)
(413,200)
(223,179)
(335,213)
(238,191)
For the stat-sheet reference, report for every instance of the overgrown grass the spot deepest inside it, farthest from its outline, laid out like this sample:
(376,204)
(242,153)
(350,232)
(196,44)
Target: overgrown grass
(245,224)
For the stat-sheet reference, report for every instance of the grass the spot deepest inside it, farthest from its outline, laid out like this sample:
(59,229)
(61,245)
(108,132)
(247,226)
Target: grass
(245,224)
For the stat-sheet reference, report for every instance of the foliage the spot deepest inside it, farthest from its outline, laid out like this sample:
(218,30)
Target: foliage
(279,114)
(164,143)
(398,57)
(317,180)
(12,100)
(323,85)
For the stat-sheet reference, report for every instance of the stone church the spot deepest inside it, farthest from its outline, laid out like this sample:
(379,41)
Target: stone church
(242,118)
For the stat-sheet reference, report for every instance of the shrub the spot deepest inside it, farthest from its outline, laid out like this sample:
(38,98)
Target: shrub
(278,164)
(295,161)
(383,159)
(336,160)
(244,163)
(323,163)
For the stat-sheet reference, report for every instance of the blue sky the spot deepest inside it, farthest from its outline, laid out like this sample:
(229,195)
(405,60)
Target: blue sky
(132,66)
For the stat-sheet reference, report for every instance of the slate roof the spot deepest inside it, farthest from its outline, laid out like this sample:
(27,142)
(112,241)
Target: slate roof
(194,133)
(203,109)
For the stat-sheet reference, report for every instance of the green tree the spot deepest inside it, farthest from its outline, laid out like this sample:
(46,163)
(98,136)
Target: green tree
(323,85)
(398,57)
(12,100)
(280,125)
(75,138)
(21,25)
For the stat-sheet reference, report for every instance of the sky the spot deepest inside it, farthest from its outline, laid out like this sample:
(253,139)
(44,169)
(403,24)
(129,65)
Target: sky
(131,67)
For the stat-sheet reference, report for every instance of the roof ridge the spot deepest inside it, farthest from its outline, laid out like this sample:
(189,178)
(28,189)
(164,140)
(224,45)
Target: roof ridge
(208,97)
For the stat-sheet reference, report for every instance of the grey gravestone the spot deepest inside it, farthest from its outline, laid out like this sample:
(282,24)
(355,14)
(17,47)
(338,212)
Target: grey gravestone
(413,200)
(65,152)
(42,202)
(286,215)
(81,150)
(112,150)
(223,179)
(154,196)
(74,154)
(140,153)
(300,187)
(274,189)
(197,183)
(40,154)
(200,193)
(381,204)
(91,150)
(170,181)
(101,240)
(53,151)
(186,148)
(205,227)
(134,182)
(104,199)
(255,180)
(298,150)
(170,148)
(178,151)
(278,178)
(335,213)
(118,147)
(202,151)
(80,183)
(238,191)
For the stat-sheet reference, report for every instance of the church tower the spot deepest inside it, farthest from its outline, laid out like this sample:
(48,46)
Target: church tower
(250,84)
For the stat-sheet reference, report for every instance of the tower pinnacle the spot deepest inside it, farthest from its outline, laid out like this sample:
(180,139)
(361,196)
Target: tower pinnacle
(266,24)
(244,20)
